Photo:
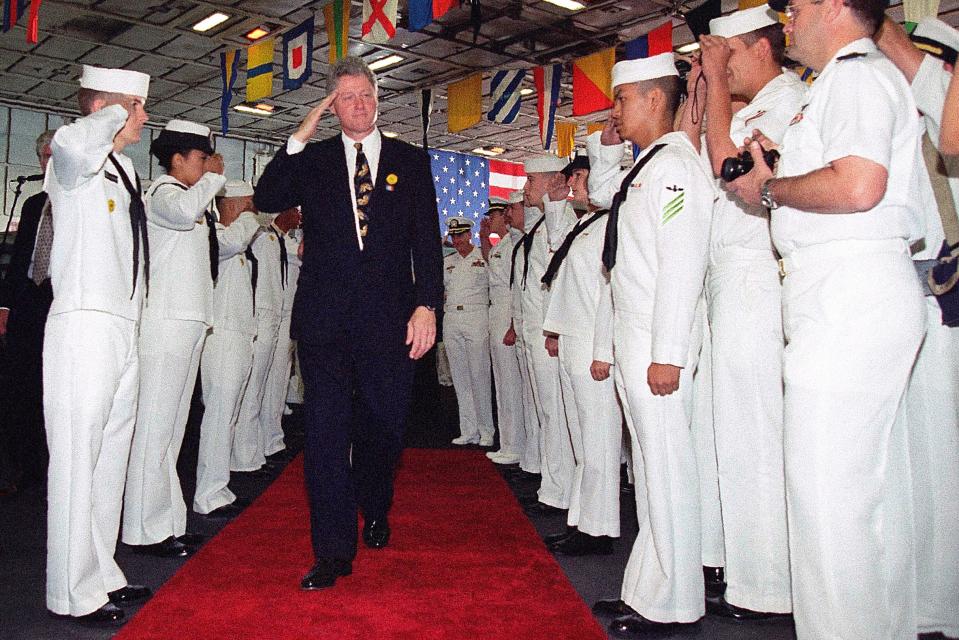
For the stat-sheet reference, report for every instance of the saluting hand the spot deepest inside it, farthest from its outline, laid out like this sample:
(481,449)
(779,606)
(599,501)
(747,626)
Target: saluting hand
(610,136)
(214,164)
(312,119)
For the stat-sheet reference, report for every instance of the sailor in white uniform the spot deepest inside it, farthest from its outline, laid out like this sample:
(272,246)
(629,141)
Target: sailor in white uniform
(228,353)
(580,312)
(932,399)
(91,362)
(466,333)
(506,373)
(847,201)
(176,317)
(656,246)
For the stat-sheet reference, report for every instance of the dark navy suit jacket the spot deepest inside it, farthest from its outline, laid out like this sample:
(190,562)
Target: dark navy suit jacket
(14,287)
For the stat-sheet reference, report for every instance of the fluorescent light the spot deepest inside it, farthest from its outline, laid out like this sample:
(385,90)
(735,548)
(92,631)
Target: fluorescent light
(210,21)
(572,5)
(260,108)
(257,33)
(385,62)
(390,134)
(489,151)
(525,91)
(688,48)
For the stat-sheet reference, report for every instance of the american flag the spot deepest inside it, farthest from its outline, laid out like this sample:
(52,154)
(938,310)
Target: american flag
(464,184)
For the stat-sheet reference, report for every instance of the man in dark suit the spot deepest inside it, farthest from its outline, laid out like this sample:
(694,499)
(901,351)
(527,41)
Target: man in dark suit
(360,317)
(25,297)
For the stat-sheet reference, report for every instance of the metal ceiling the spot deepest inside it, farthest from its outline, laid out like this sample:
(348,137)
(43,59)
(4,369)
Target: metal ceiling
(155,36)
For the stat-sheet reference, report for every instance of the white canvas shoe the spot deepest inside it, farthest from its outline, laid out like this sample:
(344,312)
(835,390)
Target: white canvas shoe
(463,440)
(506,458)
(486,442)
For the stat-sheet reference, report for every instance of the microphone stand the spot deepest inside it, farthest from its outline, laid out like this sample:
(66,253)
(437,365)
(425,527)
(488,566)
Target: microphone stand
(13,207)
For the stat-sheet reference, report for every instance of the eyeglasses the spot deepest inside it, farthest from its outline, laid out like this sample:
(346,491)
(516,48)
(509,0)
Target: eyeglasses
(792,11)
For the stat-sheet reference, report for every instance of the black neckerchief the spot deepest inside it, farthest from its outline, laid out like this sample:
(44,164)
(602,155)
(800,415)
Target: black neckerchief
(254,272)
(284,260)
(611,242)
(211,225)
(138,225)
(560,255)
(527,245)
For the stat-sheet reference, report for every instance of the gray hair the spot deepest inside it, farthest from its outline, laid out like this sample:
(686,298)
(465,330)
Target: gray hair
(349,66)
(43,140)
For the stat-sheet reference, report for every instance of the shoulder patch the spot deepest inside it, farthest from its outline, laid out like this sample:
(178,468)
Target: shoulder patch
(675,198)
(850,56)
(111,177)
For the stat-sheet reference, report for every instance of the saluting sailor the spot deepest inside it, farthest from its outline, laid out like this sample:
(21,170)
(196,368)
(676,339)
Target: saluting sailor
(466,333)
(184,260)
(90,355)
(228,352)
(656,246)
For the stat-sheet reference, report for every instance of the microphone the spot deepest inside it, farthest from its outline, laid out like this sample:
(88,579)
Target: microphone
(22,179)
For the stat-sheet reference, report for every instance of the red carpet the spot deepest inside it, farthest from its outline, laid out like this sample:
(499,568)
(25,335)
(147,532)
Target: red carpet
(463,562)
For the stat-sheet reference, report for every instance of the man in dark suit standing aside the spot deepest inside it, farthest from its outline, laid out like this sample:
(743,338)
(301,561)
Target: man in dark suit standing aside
(360,316)
(25,297)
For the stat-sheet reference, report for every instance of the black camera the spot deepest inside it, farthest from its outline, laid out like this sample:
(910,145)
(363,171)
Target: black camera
(743,163)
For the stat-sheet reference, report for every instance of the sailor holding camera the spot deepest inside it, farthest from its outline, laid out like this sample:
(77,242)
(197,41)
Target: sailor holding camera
(743,56)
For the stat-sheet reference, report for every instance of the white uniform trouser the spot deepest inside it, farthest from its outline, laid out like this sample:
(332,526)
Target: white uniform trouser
(713,541)
(932,413)
(153,507)
(274,397)
(596,434)
(664,578)
(529,458)
(294,394)
(555,449)
(854,318)
(90,400)
(745,315)
(466,336)
(509,384)
(248,452)
(224,371)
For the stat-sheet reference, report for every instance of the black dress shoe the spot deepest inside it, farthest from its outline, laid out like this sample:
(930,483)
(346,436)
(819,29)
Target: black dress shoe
(633,625)
(256,473)
(191,539)
(714,579)
(583,544)
(541,508)
(227,511)
(283,455)
(169,548)
(553,538)
(612,608)
(324,573)
(129,594)
(376,533)
(719,607)
(627,489)
(109,615)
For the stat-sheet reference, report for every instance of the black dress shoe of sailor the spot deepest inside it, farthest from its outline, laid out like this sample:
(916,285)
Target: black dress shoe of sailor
(719,607)
(541,508)
(583,544)
(169,548)
(227,511)
(612,608)
(129,594)
(714,579)
(376,533)
(191,539)
(633,625)
(324,573)
(109,615)
(553,538)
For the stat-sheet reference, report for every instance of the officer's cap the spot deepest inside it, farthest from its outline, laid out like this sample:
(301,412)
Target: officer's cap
(130,83)
(937,38)
(457,225)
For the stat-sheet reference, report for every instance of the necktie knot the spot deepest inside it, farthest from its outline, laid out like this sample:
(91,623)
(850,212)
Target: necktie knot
(358,146)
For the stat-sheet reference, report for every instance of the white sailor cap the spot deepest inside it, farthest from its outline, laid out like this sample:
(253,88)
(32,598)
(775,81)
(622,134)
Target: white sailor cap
(516,196)
(457,225)
(658,66)
(544,164)
(937,38)
(740,22)
(236,189)
(179,135)
(131,83)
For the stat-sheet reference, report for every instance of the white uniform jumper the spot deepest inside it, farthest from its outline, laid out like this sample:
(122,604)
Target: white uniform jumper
(580,312)
(175,320)
(530,458)
(466,335)
(226,363)
(90,372)
(506,373)
(854,318)
(745,317)
(657,283)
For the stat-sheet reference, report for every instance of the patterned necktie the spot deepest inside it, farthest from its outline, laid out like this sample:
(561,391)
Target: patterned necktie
(41,252)
(363,184)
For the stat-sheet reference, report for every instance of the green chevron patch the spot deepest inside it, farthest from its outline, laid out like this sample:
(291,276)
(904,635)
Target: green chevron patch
(674,207)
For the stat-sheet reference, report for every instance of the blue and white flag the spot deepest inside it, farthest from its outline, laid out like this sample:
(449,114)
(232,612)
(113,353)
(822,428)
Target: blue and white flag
(504,93)
(298,55)
(547,80)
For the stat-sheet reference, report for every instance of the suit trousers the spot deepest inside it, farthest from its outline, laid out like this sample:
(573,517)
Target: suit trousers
(596,434)
(555,448)
(153,507)
(932,413)
(90,402)
(713,541)
(663,580)
(466,336)
(248,454)
(529,457)
(509,384)
(274,397)
(745,313)
(225,371)
(854,318)
(356,401)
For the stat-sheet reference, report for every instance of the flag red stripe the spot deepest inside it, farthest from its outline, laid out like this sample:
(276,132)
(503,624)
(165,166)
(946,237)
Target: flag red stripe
(509,168)
(661,39)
